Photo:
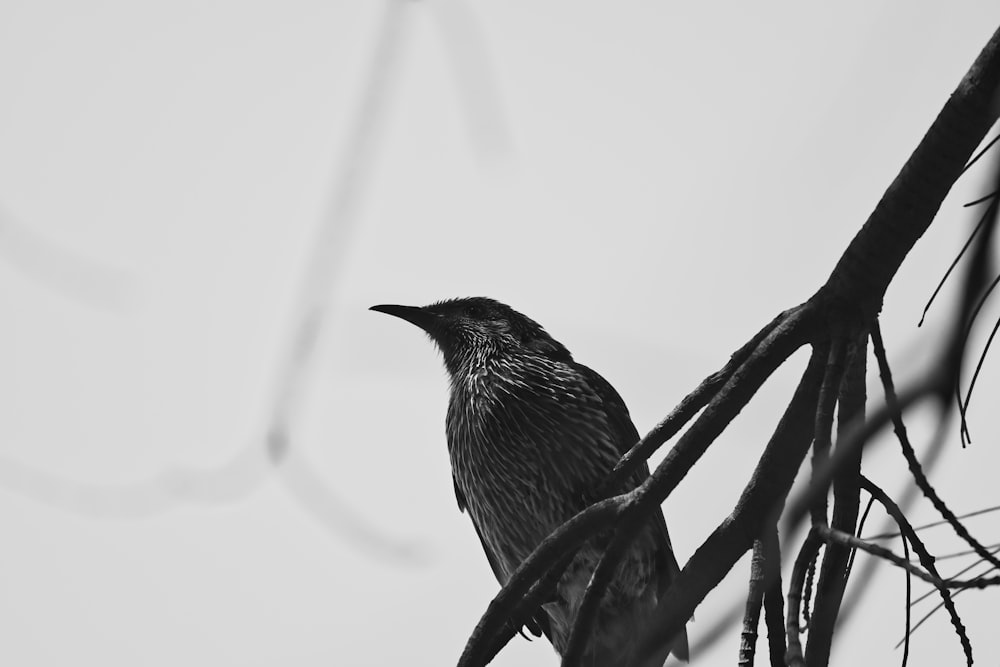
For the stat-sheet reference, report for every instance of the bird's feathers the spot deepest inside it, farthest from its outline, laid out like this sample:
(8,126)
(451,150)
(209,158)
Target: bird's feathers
(627,436)
(532,436)
(538,623)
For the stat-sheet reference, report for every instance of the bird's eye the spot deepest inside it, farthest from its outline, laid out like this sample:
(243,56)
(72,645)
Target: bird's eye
(475,312)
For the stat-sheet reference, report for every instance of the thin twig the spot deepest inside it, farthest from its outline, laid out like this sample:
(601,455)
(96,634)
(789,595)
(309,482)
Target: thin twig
(755,598)
(980,266)
(940,604)
(916,470)
(982,356)
(851,400)
(934,524)
(993,548)
(981,153)
(861,526)
(951,267)
(830,536)
(976,563)
(976,202)
(870,566)
(823,436)
(926,560)
(774,614)
(958,258)
(906,614)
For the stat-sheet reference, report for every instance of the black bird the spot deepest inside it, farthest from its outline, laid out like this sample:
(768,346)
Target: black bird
(532,435)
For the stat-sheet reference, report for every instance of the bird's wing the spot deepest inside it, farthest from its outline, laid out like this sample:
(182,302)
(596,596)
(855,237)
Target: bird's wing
(462,505)
(626,436)
(538,623)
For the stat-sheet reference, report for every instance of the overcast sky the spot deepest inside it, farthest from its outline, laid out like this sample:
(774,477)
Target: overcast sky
(651,182)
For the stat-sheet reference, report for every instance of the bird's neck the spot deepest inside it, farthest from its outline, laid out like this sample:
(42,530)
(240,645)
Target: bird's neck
(476,372)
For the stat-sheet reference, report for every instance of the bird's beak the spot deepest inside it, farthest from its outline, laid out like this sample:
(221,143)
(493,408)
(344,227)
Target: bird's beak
(424,319)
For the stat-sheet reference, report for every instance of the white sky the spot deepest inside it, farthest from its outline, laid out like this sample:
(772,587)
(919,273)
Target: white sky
(651,182)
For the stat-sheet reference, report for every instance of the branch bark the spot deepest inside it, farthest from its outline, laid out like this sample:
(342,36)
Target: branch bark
(863,273)
(774,615)
(755,599)
(846,493)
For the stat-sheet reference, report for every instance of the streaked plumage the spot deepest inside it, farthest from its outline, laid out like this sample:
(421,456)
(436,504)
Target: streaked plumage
(531,435)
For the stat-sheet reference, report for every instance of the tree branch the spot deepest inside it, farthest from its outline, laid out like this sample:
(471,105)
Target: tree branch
(755,597)
(807,553)
(831,536)
(774,616)
(822,436)
(479,650)
(760,502)
(685,410)
(907,609)
(833,573)
(911,458)
(926,559)
(847,303)
(586,614)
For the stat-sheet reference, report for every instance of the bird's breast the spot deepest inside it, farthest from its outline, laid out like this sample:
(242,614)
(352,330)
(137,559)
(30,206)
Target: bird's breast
(524,455)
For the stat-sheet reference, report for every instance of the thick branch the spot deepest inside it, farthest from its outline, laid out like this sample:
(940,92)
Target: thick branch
(908,206)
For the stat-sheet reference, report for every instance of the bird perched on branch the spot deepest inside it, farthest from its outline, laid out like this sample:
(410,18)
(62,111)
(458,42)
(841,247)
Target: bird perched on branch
(532,434)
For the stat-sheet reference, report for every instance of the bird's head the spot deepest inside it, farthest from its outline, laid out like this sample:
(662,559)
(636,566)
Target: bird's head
(474,328)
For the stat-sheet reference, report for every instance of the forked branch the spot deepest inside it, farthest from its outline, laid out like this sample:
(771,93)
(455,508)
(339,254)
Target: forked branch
(844,307)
